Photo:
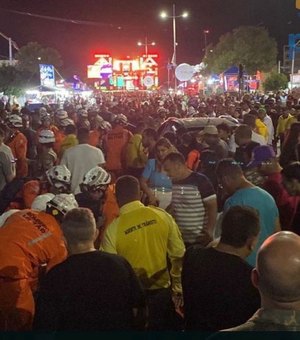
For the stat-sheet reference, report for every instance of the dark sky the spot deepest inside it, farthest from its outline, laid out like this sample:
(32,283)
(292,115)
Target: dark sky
(123,22)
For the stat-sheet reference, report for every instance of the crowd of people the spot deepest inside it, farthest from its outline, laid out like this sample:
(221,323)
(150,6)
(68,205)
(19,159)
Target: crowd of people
(106,224)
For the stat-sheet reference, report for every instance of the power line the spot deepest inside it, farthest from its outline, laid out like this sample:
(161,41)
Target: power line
(71,21)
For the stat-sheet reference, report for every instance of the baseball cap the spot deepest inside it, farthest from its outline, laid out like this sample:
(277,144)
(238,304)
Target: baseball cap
(210,130)
(261,154)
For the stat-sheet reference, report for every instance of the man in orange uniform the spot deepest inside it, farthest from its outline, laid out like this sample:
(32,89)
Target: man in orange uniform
(18,144)
(115,144)
(31,240)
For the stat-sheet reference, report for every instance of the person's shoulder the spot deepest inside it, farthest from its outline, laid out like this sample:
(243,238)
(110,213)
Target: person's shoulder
(264,193)
(157,210)
(199,251)
(113,260)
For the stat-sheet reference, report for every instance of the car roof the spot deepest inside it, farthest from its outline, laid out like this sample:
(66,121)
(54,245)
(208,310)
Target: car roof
(195,123)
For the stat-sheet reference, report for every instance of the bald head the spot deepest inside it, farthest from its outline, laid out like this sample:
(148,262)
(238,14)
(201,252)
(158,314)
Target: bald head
(278,267)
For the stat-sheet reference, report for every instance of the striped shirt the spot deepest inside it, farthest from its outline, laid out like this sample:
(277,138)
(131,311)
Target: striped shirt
(188,197)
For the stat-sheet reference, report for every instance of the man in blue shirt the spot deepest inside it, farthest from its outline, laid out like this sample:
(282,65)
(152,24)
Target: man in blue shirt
(244,193)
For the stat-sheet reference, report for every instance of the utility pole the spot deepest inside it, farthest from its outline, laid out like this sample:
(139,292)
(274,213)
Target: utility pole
(11,44)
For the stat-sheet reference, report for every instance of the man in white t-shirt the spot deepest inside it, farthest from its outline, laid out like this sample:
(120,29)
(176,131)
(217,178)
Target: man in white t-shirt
(6,149)
(81,158)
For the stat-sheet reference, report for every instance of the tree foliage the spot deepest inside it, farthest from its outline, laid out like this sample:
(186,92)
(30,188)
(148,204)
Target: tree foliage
(11,80)
(276,81)
(31,55)
(248,45)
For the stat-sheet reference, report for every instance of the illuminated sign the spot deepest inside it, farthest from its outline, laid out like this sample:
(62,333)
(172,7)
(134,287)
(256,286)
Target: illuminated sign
(47,76)
(125,73)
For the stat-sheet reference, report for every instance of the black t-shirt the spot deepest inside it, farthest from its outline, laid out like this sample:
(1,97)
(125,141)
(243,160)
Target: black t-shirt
(92,291)
(85,201)
(217,290)
(243,153)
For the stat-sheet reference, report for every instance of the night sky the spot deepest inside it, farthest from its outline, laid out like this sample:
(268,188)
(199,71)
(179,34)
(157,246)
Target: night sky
(121,23)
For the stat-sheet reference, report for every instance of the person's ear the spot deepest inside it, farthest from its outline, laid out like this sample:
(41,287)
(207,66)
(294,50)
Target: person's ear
(251,243)
(96,234)
(255,277)
(295,184)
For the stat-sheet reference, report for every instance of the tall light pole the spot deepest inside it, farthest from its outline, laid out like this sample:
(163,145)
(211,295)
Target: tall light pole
(146,44)
(174,17)
(205,32)
(293,63)
(11,44)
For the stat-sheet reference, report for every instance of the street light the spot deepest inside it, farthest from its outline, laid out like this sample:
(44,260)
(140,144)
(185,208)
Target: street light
(146,44)
(293,63)
(164,15)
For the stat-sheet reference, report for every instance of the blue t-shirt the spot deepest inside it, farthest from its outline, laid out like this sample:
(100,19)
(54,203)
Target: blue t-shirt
(156,178)
(264,203)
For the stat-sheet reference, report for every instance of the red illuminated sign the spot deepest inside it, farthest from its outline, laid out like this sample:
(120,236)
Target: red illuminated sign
(126,73)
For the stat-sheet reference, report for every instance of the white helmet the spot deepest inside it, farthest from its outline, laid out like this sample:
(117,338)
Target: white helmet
(15,121)
(45,115)
(61,114)
(66,122)
(94,179)
(60,174)
(106,126)
(40,202)
(46,136)
(5,216)
(120,119)
(61,203)
(85,124)
(98,120)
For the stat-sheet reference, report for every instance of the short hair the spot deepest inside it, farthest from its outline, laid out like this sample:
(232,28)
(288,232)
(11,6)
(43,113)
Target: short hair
(228,167)
(253,113)
(127,189)
(175,157)
(165,143)
(239,223)
(224,127)
(140,127)
(187,138)
(70,129)
(83,134)
(2,133)
(79,225)
(243,131)
(291,171)
(149,132)
(249,119)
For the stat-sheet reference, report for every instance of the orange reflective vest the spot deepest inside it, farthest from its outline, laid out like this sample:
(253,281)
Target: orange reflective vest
(116,142)
(29,240)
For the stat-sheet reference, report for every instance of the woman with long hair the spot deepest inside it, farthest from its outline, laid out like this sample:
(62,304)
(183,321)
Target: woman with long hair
(155,184)
(291,147)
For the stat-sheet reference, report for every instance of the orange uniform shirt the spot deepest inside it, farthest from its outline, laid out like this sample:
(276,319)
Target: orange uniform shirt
(116,142)
(18,145)
(31,238)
